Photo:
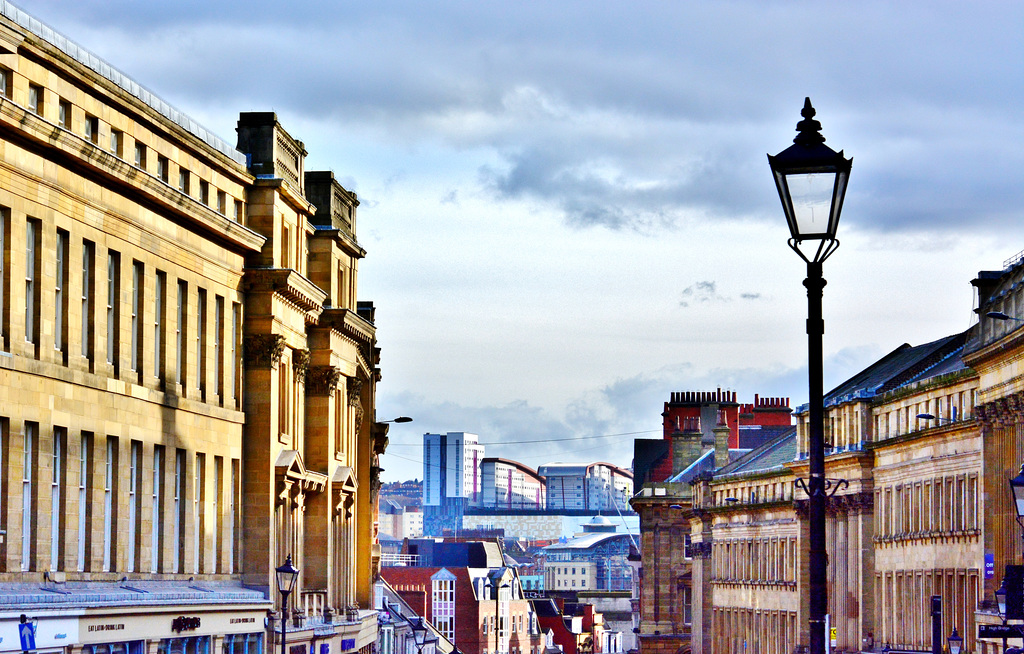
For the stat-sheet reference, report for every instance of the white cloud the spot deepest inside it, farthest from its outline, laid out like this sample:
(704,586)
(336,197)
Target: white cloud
(539,181)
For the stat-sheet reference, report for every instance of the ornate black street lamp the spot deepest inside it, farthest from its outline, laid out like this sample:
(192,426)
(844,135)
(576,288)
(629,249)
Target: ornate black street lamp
(286,576)
(955,642)
(811,178)
(419,634)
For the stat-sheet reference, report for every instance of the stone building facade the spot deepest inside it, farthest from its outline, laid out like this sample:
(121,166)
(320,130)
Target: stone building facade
(914,511)
(187,373)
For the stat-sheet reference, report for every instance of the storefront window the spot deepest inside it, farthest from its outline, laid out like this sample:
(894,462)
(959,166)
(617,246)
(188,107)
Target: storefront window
(129,647)
(243,644)
(188,645)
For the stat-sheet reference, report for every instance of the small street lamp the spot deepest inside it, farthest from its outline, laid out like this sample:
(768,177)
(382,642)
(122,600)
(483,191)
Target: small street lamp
(286,576)
(419,634)
(1001,601)
(811,179)
(955,642)
(398,420)
(999,315)
(1001,605)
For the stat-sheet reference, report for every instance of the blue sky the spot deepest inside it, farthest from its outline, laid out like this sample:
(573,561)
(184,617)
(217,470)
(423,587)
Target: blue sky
(567,207)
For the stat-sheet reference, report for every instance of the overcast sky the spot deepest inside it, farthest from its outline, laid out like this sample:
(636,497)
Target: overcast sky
(567,207)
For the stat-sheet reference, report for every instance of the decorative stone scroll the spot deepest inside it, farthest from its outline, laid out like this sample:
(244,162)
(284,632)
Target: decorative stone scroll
(355,388)
(300,363)
(264,350)
(322,380)
(855,503)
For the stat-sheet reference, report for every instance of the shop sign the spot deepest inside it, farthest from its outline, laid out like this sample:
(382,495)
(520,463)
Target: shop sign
(348,644)
(185,623)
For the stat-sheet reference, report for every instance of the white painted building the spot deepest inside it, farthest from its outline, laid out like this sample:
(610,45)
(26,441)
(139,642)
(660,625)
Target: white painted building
(510,485)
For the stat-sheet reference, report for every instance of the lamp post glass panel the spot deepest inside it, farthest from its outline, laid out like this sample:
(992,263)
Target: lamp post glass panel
(811,179)
(419,634)
(286,576)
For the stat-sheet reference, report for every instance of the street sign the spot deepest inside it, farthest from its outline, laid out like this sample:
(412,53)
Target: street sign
(834,636)
(1000,631)
(28,636)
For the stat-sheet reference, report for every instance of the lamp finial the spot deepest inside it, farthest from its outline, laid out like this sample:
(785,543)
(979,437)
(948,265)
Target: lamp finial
(808,128)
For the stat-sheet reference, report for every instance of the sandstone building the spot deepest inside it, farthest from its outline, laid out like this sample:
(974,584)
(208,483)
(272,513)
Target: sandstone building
(188,377)
(920,447)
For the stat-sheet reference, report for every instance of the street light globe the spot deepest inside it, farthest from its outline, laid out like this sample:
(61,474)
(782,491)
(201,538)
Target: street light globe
(811,179)
(286,575)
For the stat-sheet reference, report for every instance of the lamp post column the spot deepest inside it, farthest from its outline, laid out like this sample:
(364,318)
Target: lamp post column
(817,558)
(284,622)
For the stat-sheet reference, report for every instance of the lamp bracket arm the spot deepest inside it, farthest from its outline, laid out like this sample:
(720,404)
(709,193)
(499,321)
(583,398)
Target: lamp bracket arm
(826,247)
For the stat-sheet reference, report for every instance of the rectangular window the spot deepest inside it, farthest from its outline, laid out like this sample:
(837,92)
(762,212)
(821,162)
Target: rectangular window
(56,499)
(443,606)
(204,192)
(163,169)
(236,490)
(113,311)
(5,282)
(64,114)
(158,324)
(35,99)
(31,438)
(237,213)
(117,142)
(84,466)
(60,298)
(198,513)
(88,255)
(236,319)
(32,235)
(92,129)
(222,202)
(179,333)
(156,519)
(140,155)
(183,180)
(201,342)
(5,82)
(179,509)
(218,345)
(109,504)
(218,537)
(137,281)
(285,248)
(134,504)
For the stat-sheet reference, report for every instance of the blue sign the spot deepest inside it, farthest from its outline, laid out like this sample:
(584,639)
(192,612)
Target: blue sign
(990,565)
(28,636)
(348,644)
(325,648)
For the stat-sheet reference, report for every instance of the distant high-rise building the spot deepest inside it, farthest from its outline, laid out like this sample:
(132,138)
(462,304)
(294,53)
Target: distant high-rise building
(511,486)
(451,479)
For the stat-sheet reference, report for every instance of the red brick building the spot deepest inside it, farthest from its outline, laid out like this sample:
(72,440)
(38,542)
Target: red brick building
(482,610)
(750,426)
